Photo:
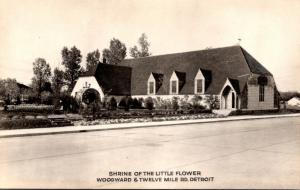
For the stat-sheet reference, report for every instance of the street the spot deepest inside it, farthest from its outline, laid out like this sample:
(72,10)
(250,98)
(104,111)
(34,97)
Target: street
(263,153)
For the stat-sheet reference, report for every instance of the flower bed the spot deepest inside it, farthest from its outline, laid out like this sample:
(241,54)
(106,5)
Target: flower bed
(146,119)
(142,113)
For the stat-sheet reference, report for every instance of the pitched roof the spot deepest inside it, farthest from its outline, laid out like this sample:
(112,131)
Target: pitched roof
(216,65)
(221,63)
(22,86)
(113,79)
(254,65)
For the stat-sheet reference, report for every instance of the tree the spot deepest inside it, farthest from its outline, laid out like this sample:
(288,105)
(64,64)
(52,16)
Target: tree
(2,89)
(144,48)
(9,88)
(71,60)
(42,74)
(57,81)
(116,52)
(92,59)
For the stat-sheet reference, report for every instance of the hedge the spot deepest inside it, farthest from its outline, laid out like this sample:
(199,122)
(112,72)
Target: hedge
(30,108)
(24,124)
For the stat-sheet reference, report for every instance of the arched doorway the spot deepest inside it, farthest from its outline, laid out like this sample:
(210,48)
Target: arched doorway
(228,98)
(90,95)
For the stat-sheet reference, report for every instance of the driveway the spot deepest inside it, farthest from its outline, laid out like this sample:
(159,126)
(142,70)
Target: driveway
(262,153)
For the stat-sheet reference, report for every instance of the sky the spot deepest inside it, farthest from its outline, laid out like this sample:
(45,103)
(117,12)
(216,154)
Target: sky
(269,30)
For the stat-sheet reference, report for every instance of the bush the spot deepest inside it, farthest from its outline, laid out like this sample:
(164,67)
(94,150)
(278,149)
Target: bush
(141,102)
(196,103)
(136,104)
(184,103)
(149,103)
(69,104)
(125,103)
(24,123)
(105,102)
(112,105)
(213,101)
(175,105)
(162,104)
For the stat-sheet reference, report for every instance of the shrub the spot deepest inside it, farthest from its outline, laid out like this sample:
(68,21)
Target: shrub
(184,104)
(92,109)
(213,102)
(141,102)
(136,103)
(69,104)
(105,103)
(122,102)
(162,104)
(196,104)
(112,104)
(149,103)
(175,105)
(196,99)
(125,103)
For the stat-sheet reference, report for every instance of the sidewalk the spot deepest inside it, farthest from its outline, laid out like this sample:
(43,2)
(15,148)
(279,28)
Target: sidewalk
(76,129)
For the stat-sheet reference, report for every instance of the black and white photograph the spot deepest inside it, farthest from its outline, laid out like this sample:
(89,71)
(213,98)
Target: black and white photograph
(139,94)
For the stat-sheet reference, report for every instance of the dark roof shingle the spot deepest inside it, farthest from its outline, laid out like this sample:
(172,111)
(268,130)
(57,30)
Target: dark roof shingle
(131,75)
(113,79)
(220,63)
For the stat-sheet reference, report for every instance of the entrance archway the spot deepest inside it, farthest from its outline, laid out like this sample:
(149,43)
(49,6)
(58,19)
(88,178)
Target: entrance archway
(228,98)
(90,95)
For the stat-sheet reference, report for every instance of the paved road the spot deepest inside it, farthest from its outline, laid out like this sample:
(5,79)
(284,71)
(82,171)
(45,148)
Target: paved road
(261,153)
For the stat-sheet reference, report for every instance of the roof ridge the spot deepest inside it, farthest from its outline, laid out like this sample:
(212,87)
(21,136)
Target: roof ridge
(202,50)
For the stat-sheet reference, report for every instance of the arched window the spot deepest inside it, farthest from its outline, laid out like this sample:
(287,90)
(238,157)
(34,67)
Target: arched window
(261,93)
(262,81)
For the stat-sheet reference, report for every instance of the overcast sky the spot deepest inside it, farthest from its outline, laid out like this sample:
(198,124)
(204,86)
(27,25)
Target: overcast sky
(270,30)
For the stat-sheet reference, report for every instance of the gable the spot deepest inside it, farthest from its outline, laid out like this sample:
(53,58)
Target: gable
(151,78)
(199,75)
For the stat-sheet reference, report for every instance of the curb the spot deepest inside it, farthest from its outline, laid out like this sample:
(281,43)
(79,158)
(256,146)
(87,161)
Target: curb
(122,126)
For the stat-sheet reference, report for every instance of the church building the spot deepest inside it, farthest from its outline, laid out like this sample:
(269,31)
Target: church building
(230,74)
